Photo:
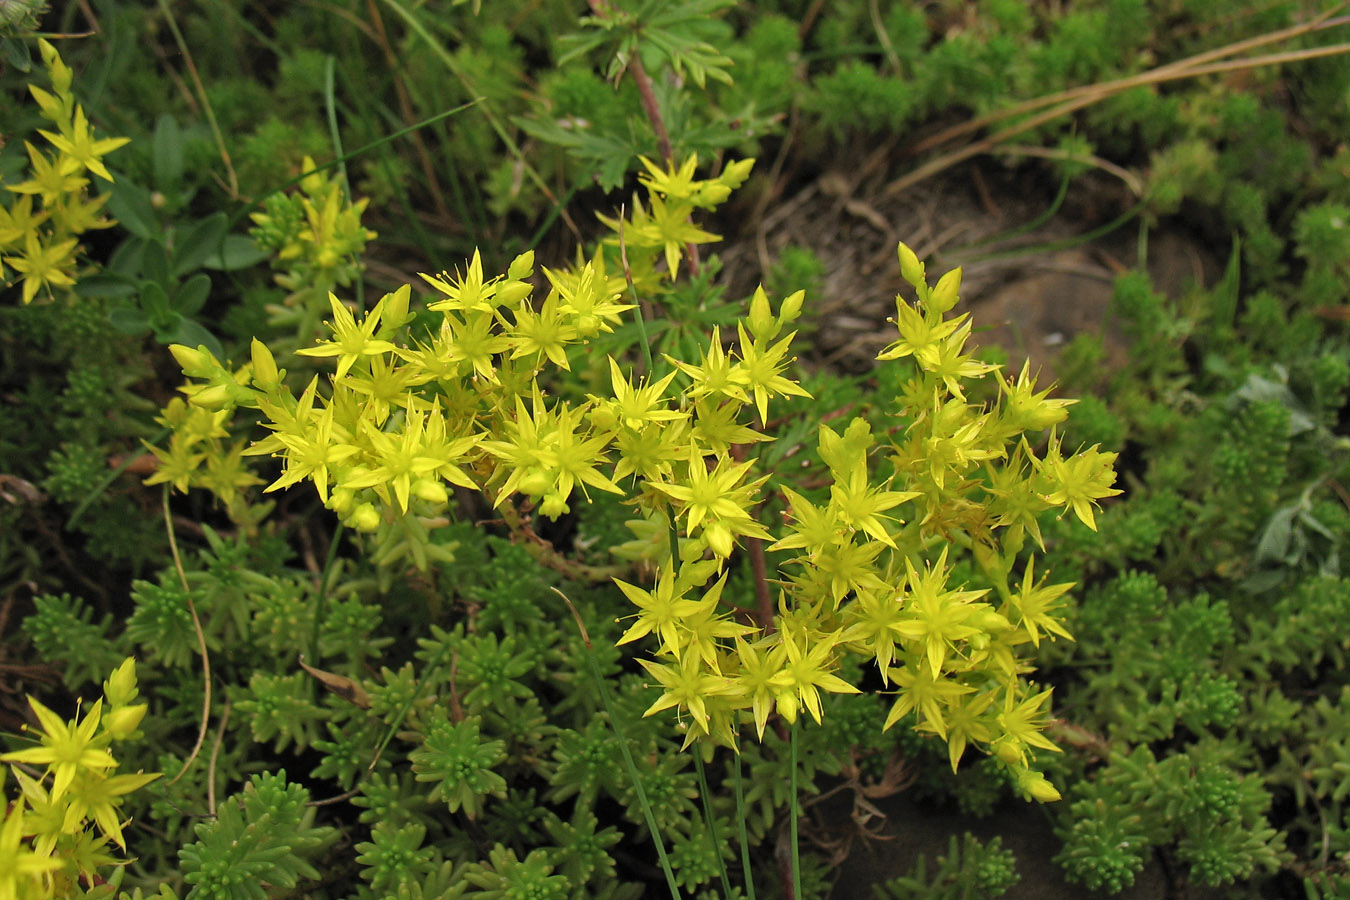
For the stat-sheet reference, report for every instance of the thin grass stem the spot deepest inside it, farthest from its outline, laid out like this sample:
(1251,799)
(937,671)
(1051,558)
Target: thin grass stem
(628,763)
(792,814)
(745,840)
(711,820)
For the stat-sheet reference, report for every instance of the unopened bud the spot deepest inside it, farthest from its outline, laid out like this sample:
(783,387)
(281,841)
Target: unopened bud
(910,268)
(761,320)
(535,483)
(366,517)
(196,362)
(216,396)
(521,267)
(512,292)
(120,688)
(266,377)
(944,296)
(1035,784)
(395,313)
(1008,752)
(430,490)
(121,722)
(554,505)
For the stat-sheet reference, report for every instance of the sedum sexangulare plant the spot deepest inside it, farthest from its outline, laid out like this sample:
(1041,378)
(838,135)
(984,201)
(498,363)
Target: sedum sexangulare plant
(463,399)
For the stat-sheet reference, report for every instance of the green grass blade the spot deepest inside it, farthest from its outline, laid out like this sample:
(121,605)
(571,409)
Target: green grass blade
(711,821)
(449,61)
(745,840)
(628,763)
(364,148)
(792,815)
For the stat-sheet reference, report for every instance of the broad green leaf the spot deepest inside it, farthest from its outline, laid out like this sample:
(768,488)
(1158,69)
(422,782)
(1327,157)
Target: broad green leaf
(129,320)
(192,295)
(106,285)
(168,154)
(193,334)
(155,303)
(236,252)
(130,205)
(198,243)
(155,263)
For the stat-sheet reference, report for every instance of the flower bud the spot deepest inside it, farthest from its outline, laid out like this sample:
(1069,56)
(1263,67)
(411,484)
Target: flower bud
(521,267)
(910,268)
(195,362)
(535,482)
(944,295)
(430,490)
(395,314)
(604,416)
(120,688)
(341,500)
(1008,752)
(554,505)
(266,377)
(312,183)
(791,308)
(760,320)
(512,292)
(1035,784)
(366,518)
(121,722)
(216,396)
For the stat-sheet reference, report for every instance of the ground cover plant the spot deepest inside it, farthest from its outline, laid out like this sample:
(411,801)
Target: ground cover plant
(401,494)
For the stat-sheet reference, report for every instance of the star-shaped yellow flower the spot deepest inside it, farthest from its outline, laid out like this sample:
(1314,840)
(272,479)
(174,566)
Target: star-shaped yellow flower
(67,748)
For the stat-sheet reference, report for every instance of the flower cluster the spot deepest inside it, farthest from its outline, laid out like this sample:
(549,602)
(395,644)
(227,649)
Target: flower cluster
(200,454)
(40,229)
(863,571)
(46,842)
(316,234)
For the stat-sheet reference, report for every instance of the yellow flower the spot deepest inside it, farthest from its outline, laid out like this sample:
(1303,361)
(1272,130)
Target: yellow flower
(66,748)
(97,797)
(43,266)
(19,865)
(715,503)
(807,672)
(351,341)
(76,142)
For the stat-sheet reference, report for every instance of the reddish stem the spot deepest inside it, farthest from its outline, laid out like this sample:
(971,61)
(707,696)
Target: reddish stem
(648,95)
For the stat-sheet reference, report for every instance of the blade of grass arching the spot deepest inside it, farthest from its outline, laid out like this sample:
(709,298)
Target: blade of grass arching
(1064,243)
(1155,76)
(393,64)
(711,821)
(465,212)
(1321,21)
(745,840)
(113,475)
(448,60)
(364,148)
(1030,225)
(374,118)
(202,97)
(419,233)
(333,135)
(201,641)
(551,218)
(792,814)
(628,763)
